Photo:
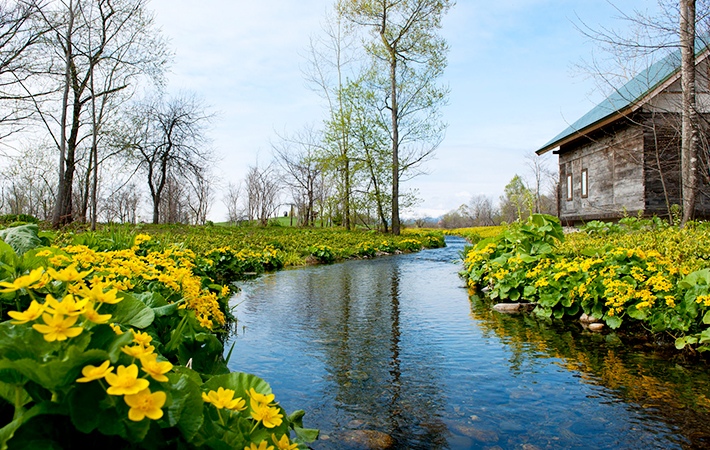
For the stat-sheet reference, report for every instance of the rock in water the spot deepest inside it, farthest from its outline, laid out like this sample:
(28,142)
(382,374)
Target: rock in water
(369,439)
(507,307)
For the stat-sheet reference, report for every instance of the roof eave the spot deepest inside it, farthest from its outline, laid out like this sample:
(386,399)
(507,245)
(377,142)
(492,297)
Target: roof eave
(613,117)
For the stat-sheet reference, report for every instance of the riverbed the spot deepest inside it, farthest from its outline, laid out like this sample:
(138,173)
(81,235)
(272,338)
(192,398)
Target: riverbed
(395,349)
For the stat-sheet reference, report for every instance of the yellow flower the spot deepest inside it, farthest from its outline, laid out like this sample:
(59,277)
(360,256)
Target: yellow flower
(141,338)
(34,311)
(670,301)
(116,329)
(283,443)
(93,316)
(23,282)
(67,275)
(125,381)
(154,368)
(97,294)
(68,306)
(137,351)
(144,404)
(57,327)
(269,416)
(92,373)
(263,445)
(141,238)
(260,398)
(223,398)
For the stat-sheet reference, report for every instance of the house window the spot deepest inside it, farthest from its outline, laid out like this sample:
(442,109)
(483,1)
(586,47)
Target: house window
(585,183)
(569,187)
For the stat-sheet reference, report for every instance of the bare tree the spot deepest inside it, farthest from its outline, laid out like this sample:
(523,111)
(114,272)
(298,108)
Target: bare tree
(168,143)
(28,183)
(200,197)
(262,189)
(231,200)
(102,46)
(123,204)
(19,35)
(297,156)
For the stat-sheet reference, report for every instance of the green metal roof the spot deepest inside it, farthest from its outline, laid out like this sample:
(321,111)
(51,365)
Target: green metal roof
(628,95)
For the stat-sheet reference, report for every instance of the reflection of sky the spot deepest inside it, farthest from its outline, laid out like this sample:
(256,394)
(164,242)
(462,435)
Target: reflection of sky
(327,340)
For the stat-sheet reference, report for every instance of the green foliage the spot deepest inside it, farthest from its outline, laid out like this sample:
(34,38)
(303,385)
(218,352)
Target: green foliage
(23,238)
(323,253)
(75,310)
(639,270)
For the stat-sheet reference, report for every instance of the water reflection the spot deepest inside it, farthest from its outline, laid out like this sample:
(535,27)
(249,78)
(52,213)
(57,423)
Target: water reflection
(394,348)
(652,379)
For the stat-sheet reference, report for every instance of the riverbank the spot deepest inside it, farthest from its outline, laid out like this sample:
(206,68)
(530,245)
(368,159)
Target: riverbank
(117,335)
(636,272)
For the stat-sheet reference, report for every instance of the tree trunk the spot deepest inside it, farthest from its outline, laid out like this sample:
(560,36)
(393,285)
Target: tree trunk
(689,128)
(61,188)
(395,144)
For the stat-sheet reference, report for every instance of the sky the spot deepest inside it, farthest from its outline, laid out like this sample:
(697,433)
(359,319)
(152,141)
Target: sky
(513,72)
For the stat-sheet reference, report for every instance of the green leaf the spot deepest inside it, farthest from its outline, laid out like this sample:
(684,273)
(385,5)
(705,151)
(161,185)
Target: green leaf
(22,238)
(636,313)
(186,408)
(529,291)
(305,435)
(132,312)
(8,431)
(613,322)
(706,318)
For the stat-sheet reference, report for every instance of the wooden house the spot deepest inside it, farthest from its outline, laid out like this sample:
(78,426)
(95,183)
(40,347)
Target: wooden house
(622,158)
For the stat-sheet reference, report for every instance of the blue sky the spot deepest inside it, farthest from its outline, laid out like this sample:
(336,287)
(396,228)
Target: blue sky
(511,72)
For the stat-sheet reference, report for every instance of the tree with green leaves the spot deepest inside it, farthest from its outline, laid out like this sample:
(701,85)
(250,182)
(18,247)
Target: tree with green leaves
(517,201)
(408,56)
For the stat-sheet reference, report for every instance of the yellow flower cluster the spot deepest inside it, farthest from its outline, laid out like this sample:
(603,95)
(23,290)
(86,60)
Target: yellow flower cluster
(125,381)
(127,270)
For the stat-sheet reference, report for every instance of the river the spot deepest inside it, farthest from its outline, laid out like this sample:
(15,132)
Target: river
(394,347)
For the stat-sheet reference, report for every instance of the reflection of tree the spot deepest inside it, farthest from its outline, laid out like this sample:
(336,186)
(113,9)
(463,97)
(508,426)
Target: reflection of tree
(674,393)
(355,314)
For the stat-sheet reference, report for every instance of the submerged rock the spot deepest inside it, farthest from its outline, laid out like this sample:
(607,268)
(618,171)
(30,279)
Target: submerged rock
(509,308)
(595,326)
(477,434)
(369,439)
(584,318)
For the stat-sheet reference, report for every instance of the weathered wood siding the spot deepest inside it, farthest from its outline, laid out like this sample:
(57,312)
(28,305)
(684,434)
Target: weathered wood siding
(614,163)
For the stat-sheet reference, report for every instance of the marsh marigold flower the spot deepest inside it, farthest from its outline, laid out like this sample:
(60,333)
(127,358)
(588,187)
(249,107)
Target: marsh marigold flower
(67,275)
(58,327)
(97,294)
(269,416)
(156,369)
(261,398)
(34,311)
(141,338)
(137,351)
(93,316)
(23,282)
(224,398)
(145,404)
(125,381)
(92,373)
(284,443)
(263,445)
(68,306)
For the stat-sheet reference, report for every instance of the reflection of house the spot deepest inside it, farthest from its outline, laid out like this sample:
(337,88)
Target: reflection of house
(622,157)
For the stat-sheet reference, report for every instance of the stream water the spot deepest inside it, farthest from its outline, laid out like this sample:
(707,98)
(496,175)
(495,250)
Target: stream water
(394,348)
